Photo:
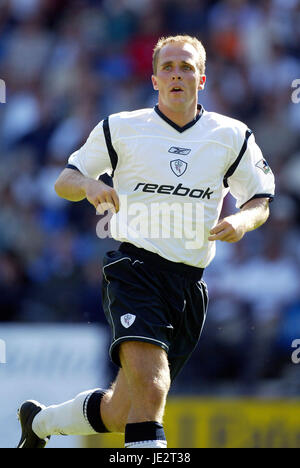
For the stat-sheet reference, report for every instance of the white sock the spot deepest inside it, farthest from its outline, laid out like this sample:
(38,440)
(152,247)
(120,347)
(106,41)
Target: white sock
(69,418)
(147,444)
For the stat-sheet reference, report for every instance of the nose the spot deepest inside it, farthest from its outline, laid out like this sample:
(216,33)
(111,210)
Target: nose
(176,74)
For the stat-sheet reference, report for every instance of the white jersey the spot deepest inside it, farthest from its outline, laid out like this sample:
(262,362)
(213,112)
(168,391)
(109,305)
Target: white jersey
(172,180)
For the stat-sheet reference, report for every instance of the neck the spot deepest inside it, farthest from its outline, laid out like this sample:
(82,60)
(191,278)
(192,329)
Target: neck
(179,117)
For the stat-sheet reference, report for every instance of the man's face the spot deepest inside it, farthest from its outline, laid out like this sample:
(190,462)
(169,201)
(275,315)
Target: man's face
(178,78)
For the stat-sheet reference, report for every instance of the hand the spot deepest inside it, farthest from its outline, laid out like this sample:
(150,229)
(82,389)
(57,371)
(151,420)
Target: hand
(228,230)
(101,196)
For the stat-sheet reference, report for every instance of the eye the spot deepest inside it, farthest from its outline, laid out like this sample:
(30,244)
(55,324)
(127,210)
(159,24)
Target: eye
(167,67)
(187,67)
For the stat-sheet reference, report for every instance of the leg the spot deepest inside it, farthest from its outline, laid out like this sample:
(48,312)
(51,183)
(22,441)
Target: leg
(115,405)
(140,389)
(147,373)
(76,417)
(138,395)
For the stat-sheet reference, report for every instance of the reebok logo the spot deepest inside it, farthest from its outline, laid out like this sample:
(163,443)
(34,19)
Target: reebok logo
(171,190)
(181,151)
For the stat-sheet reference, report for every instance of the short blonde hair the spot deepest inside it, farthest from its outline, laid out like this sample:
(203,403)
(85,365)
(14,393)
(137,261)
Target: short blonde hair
(180,39)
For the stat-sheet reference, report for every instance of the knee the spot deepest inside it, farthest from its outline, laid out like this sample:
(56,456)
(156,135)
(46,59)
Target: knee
(147,371)
(151,389)
(157,391)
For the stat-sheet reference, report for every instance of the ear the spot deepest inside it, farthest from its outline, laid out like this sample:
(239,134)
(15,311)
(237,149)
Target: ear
(154,82)
(202,82)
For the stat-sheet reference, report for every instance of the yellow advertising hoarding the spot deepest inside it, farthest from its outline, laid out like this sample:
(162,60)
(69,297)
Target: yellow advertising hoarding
(224,423)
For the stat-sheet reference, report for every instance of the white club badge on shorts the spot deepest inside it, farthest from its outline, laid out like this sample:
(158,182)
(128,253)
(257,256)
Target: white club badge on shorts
(127,320)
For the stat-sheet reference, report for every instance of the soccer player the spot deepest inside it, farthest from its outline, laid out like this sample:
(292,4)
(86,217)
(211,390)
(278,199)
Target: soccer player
(176,155)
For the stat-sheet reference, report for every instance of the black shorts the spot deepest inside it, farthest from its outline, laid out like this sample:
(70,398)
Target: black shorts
(147,298)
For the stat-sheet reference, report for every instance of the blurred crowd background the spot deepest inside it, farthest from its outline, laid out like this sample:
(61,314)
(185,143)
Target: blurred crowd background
(69,63)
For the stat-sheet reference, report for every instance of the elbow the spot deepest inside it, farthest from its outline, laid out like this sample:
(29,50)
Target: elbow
(267,212)
(265,208)
(58,187)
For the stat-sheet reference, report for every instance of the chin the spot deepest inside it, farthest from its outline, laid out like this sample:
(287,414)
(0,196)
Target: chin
(178,101)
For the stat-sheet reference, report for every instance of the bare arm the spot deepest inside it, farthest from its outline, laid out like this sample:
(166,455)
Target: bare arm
(234,227)
(74,186)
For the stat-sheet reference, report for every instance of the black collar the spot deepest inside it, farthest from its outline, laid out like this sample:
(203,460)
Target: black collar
(174,125)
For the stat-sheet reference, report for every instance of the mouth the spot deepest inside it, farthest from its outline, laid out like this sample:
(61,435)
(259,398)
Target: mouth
(176,89)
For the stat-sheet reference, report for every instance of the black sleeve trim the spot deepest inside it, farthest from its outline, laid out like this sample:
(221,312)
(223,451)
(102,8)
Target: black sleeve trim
(111,151)
(260,195)
(238,159)
(70,166)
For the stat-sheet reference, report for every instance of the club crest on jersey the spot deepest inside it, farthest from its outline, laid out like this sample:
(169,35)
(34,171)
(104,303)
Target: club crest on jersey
(178,167)
(127,320)
(264,166)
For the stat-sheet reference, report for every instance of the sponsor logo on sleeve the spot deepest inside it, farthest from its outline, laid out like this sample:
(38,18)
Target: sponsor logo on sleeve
(264,166)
